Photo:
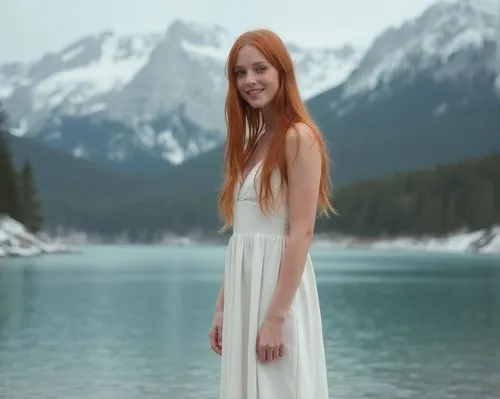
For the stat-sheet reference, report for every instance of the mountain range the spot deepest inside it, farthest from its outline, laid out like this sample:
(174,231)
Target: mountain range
(128,101)
(424,93)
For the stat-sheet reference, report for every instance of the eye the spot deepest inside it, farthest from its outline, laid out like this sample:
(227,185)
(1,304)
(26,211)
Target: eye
(261,69)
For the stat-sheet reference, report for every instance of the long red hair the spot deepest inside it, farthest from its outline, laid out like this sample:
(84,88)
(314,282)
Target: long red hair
(244,124)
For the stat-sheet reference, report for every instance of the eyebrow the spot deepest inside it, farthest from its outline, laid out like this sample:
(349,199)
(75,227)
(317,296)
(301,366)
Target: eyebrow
(254,64)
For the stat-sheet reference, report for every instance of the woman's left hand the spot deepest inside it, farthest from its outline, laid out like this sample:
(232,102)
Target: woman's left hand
(269,344)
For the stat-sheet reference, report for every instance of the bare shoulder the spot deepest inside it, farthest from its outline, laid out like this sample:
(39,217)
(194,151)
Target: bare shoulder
(301,143)
(303,157)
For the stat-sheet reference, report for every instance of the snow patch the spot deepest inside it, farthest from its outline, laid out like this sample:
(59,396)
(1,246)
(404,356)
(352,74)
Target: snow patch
(21,130)
(146,135)
(16,240)
(172,150)
(480,241)
(379,74)
(320,70)
(201,51)
(69,55)
(79,151)
(78,85)
(472,37)
(97,108)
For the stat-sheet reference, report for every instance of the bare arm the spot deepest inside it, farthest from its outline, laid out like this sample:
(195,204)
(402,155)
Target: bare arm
(304,173)
(219,304)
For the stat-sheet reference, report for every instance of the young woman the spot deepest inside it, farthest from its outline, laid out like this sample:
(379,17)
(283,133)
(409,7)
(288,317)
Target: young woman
(267,324)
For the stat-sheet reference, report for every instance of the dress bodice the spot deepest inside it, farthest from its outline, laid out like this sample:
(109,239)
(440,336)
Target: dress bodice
(249,217)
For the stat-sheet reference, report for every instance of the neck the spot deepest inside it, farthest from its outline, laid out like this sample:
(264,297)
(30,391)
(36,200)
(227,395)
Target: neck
(269,117)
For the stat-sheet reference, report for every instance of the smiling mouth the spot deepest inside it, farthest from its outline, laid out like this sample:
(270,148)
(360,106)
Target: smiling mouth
(254,91)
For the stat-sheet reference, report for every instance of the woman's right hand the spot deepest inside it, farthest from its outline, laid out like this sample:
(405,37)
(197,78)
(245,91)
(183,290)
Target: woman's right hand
(215,333)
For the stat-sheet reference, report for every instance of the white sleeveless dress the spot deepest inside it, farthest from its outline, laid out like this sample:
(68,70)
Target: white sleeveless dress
(252,265)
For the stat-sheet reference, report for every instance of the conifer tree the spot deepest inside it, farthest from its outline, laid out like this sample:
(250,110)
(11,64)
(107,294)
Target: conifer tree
(30,205)
(9,190)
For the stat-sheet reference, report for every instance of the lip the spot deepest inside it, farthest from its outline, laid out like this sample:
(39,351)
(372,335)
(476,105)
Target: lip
(253,92)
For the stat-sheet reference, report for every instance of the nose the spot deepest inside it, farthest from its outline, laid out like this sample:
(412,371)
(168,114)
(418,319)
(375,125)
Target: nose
(250,79)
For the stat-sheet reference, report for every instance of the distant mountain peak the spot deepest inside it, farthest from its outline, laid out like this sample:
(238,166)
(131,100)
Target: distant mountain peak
(428,41)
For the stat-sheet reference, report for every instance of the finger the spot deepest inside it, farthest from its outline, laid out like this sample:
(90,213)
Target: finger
(219,336)
(218,341)
(214,342)
(269,354)
(262,353)
(281,350)
(275,353)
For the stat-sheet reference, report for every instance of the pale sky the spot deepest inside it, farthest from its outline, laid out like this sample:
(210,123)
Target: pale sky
(30,28)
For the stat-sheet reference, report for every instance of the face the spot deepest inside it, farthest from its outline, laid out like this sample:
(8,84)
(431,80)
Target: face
(256,79)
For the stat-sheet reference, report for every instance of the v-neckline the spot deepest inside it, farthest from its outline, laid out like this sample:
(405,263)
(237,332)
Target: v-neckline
(245,178)
(262,158)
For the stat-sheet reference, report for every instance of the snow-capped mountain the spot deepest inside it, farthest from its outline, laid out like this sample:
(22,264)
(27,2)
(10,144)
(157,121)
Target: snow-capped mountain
(150,98)
(76,79)
(436,41)
(163,93)
(423,93)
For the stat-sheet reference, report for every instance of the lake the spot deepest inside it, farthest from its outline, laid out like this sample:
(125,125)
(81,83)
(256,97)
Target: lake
(132,322)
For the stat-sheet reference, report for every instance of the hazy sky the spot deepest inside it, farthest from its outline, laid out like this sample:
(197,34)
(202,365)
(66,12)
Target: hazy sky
(30,28)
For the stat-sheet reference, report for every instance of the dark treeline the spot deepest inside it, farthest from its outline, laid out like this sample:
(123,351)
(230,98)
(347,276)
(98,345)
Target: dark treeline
(18,195)
(438,201)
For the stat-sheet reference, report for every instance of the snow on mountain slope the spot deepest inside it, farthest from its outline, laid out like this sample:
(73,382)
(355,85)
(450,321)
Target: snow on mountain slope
(119,60)
(76,76)
(86,75)
(319,70)
(167,90)
(437,40)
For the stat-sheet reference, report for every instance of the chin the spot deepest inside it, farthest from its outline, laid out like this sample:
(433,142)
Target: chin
(257,104)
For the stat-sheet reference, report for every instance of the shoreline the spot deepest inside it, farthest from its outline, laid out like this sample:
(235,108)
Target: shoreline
(16,241)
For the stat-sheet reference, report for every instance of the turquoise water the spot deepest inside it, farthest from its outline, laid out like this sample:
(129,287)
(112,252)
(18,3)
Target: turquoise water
(132,322)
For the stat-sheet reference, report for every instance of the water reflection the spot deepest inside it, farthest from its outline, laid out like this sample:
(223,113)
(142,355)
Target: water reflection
(133,323)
